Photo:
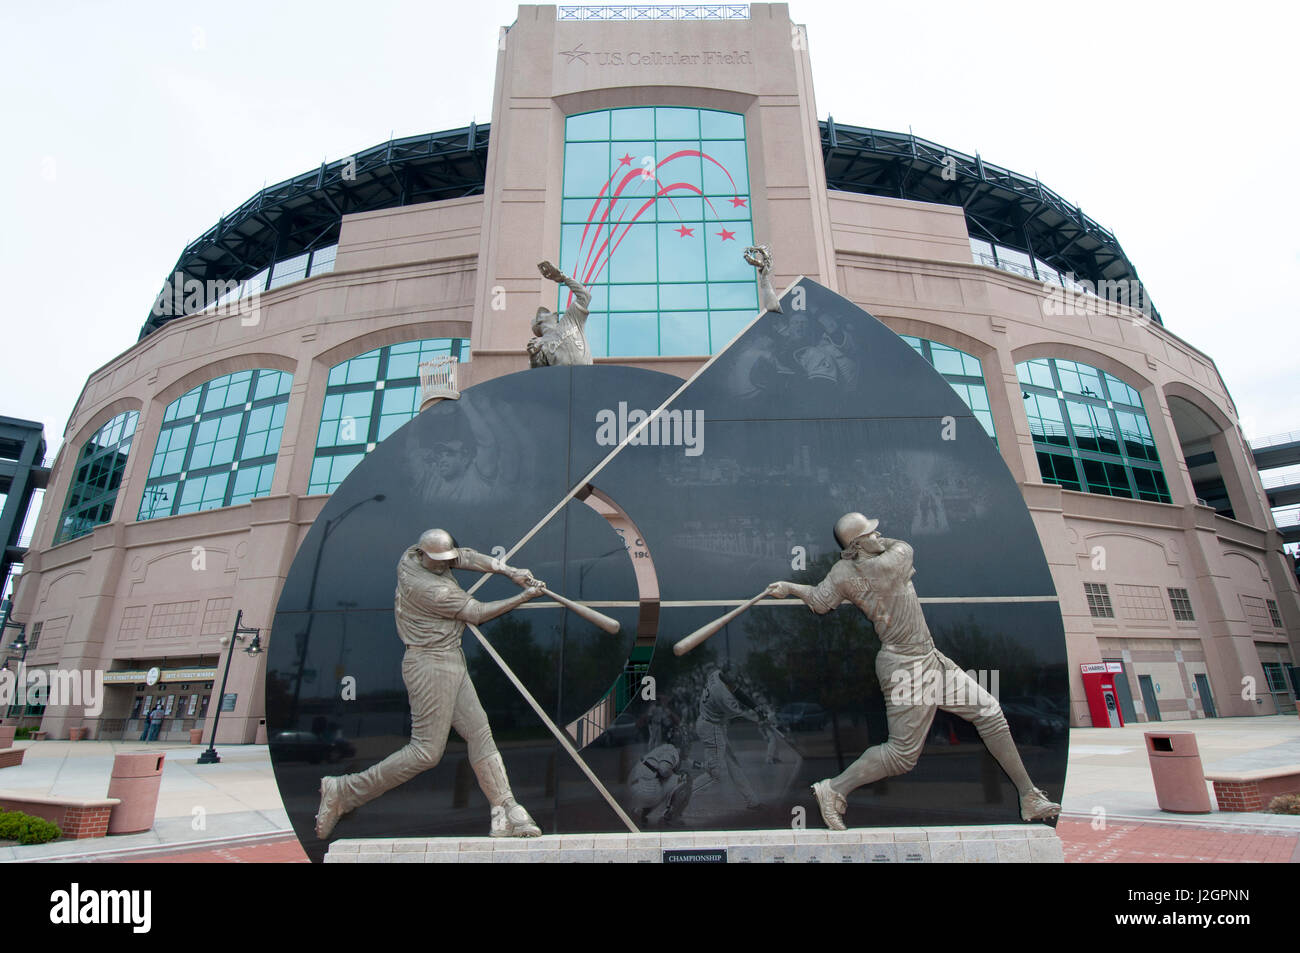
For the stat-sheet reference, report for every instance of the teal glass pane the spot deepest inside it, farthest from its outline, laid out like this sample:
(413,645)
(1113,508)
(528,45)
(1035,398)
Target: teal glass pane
(587,126)
(587,168)
(1036,372)
(675,123)
(724,247)
(633,297)
(681,251)
(223,451)
(947,360)
(1122,393)
(679,208)
(272,384)
(679,163)
(728,173)
(684,332)
(598,334)
(637,257)
(692,297)
(732,295)
(720,125)
(632,123)
(158,500)
(188,405)
(634,333)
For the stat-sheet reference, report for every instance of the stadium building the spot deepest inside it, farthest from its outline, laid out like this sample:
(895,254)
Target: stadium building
(642,149)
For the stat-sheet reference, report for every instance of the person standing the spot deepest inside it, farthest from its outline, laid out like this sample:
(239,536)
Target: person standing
(153,724)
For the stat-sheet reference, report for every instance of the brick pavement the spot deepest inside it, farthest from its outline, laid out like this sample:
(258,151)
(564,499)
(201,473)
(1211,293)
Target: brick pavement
(282,851)
(1133,842)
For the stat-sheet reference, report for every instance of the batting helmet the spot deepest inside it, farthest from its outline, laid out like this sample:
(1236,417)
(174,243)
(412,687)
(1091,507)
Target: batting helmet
(852,525)
(438,544)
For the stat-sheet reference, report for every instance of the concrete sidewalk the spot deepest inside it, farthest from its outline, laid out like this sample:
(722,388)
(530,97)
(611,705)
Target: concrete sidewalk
(209,807)
(1109,769)
(211,803)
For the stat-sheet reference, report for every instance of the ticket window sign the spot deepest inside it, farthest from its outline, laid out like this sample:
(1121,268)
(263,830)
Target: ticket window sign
(1099,689)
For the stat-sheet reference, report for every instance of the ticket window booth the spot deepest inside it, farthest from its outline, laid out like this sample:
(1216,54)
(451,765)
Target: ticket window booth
(185,706)
(1103,698)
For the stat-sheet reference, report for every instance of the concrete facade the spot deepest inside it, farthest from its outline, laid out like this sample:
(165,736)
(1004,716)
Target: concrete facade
(136,594)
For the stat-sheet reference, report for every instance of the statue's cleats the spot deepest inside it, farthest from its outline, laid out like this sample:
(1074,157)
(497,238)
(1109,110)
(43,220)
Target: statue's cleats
(1035,805)
(331,807)
(832,805)
(513,822)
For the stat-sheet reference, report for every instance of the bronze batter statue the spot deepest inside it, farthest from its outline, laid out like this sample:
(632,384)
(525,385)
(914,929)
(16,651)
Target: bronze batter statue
(432,610)
(875,574)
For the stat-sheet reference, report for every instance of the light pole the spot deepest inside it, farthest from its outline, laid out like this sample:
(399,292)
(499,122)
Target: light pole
(18,644)
(254,648)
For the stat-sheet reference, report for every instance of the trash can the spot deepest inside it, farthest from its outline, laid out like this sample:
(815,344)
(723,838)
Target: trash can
(1177,772)
(196,736)
(76,734)
(135,782)
(260,737)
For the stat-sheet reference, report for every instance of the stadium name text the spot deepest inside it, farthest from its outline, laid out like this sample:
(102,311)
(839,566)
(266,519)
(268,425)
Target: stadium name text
(675,58)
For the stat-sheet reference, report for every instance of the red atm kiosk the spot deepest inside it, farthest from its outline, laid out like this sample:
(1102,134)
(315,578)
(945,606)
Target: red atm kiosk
(1099,688)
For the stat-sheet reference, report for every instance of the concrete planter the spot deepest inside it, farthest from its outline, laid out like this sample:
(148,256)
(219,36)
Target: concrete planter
(7,736)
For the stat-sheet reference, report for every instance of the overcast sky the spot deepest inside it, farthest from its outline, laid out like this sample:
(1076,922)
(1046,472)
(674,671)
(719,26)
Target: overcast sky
(130,128)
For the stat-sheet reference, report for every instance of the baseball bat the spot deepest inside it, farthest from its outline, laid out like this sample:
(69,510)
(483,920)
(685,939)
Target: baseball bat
(705,631)
(591,615)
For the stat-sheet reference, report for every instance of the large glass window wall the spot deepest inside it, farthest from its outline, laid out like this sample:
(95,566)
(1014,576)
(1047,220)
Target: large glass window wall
(1090,430)
(97,478)
(366,399)
(655,220)
(218,444)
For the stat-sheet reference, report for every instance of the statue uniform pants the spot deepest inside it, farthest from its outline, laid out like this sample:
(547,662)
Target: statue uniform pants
(719,759)
(914,688)
(442,697)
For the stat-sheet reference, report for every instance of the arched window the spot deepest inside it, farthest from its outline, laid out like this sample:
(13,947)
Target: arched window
(655,220)
(366,399)
(98,475)
(218,444)
(1090,430)
(963,372)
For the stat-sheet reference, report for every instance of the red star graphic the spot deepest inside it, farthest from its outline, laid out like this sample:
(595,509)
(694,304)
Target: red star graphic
(738,202)
(685,232)
(726,235)
(626,159)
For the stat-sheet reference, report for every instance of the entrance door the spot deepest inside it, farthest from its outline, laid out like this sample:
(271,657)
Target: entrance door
(1207,700)
(1124,694)
(1149,697)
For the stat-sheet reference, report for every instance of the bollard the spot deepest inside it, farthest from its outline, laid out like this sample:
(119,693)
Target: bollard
(1177,772)
(135,781)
